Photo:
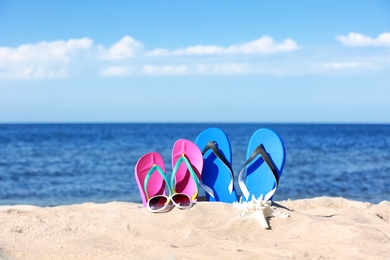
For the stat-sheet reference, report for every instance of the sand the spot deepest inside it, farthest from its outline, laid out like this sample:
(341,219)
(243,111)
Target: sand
(318,228)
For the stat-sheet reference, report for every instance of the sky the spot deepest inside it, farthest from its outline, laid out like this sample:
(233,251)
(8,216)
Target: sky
(302,61)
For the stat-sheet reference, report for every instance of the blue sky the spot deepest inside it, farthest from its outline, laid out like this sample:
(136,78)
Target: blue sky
(195,61)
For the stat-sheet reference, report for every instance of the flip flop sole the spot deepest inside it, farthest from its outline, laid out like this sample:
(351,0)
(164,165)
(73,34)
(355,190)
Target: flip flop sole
(216,175)
(156,184)
(184,182)
(259,177)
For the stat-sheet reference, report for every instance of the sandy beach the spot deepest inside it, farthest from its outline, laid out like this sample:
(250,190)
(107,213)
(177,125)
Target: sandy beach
(318,228)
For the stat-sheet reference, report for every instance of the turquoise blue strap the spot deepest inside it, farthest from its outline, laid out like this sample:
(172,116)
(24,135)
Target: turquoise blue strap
(147,177)
(192,172)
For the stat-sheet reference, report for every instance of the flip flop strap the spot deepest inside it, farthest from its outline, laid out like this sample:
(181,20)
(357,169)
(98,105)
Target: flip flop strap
(150,173)
(184,159)
(211,145)
(260,150)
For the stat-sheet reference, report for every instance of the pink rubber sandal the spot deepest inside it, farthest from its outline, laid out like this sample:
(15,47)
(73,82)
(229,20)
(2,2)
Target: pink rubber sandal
(187,164)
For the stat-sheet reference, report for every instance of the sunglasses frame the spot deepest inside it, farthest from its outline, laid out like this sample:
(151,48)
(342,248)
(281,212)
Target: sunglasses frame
(169,200)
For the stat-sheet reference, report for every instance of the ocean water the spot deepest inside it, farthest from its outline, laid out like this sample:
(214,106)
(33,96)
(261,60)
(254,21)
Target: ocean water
(54,164)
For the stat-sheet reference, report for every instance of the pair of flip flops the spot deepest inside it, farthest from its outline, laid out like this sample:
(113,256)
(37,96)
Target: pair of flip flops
(259,175)
(159,194)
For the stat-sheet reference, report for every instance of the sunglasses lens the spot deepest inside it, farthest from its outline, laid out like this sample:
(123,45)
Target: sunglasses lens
(157,203)
(182,200)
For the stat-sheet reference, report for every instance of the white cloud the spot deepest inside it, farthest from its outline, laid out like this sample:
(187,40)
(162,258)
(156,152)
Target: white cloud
(357,39)
(229,68)
(262,45)
(336,67)
(164,70)
(265,45)
(127,57)
(67,58)
(44,52)
(41,60)
(114,71)
(126,48)
(343,65)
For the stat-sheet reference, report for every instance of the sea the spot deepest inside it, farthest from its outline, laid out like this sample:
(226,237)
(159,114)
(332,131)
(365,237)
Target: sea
(63,164)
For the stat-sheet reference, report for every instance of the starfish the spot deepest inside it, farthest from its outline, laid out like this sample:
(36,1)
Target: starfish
(260,209)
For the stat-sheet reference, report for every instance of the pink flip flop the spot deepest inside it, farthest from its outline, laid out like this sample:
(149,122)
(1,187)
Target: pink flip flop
(187,164)
(156,184)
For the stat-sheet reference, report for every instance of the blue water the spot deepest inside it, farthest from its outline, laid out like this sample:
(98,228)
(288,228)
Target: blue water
(53,164)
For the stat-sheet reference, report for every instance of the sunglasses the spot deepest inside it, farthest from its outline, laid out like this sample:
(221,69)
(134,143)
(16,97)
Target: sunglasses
(163,203)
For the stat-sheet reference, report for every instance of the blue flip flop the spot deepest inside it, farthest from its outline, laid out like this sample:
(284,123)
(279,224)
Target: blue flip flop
(217,175)
(265,162)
